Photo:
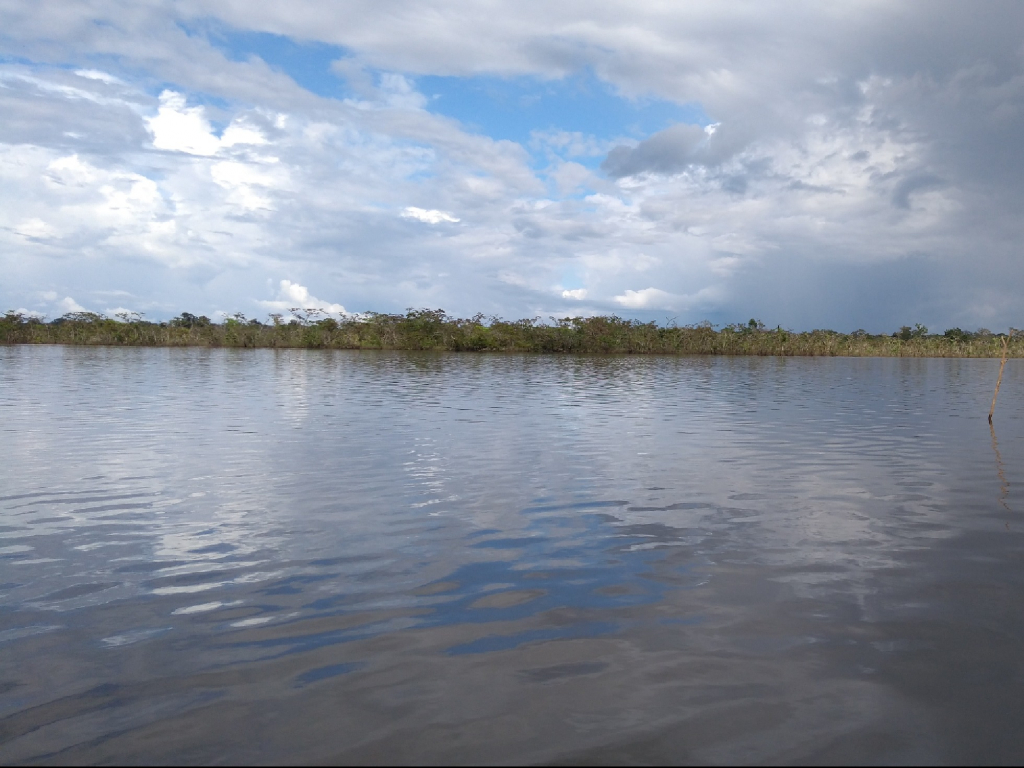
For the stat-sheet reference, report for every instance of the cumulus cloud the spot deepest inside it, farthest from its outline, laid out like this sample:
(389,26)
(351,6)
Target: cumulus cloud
(292,296)
(55,307)
(397,91)
(240,133)
(648,298)
(29,312)
(428,217)
(576,293)
(68,304)
(182,129)
(122,313)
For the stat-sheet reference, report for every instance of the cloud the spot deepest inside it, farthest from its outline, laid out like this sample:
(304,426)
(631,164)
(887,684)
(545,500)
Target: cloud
(241,133)
(68,304)
(832,166)
(248,182)
(669,151)
(182,129)
(120,312)
(910,184)
(576,293)
(95,74)
(294,296)
(35,229)
(428,217)
(648,298)
(397,91)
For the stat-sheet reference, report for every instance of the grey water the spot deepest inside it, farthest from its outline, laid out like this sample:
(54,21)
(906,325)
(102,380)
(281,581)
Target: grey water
(225,556)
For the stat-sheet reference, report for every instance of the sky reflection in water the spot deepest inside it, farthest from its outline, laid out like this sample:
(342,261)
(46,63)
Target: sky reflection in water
(283,556)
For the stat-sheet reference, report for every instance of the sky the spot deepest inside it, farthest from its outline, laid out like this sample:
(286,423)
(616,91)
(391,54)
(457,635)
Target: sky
(852,165)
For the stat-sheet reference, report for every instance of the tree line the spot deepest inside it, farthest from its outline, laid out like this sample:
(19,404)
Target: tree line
(434,329)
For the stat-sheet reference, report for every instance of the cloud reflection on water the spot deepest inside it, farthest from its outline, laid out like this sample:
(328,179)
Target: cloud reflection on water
(258,522)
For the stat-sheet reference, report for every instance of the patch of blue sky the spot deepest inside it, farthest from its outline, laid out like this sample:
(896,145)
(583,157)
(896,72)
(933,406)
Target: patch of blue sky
(572,279)
(512,108)
(516,108)
(22,61)
(307,63)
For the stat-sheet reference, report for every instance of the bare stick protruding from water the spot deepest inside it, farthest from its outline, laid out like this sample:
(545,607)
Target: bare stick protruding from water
(1006,346)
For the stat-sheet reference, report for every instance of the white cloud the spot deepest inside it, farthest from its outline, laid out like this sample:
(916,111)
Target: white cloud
(398,92)
(576,293)
(294,296)
(35,229)
(241,133)
(572,177)
(68,304)
(29,312)
(648,298)
(428,217)
(180,128)
(70,171)
(245,181)
(95,74)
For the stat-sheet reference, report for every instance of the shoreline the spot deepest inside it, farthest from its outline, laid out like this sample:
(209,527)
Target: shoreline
(433,330)
(905,354)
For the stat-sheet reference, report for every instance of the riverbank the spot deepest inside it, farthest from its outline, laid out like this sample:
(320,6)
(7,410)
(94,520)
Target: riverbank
(435,330)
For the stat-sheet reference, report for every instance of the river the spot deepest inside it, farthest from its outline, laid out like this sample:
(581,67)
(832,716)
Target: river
(364,557)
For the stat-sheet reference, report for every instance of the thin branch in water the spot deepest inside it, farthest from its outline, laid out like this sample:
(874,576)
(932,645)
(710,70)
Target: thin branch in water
(1006,346)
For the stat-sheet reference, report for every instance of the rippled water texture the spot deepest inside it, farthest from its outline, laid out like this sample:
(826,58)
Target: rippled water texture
(259,556)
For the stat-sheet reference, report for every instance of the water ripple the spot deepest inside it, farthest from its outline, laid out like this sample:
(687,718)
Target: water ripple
(357,550)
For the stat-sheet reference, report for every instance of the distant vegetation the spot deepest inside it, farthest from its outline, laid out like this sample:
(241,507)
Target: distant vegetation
(425,329)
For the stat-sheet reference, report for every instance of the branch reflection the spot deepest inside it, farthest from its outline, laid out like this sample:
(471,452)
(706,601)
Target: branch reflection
(1004,485)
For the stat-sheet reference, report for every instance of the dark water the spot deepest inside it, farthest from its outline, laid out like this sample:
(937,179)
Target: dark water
(259,556)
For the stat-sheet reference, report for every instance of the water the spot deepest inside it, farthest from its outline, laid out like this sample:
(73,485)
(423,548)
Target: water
(290,556)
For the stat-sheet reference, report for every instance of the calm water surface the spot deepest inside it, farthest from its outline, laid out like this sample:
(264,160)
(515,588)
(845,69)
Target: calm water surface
(288,556)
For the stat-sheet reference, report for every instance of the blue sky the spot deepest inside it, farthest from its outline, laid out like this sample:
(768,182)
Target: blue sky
(701,161)
(501,107)
(306,62)
(514,108)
